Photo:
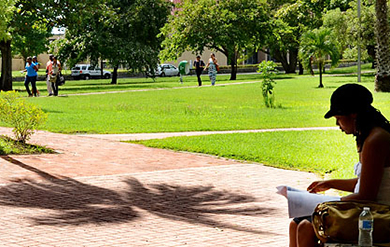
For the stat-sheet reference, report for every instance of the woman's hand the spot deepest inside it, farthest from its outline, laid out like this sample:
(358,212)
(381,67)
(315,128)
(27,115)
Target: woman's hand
(318,186)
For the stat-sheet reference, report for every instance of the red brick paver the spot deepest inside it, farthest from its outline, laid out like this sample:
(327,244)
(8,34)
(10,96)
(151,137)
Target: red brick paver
(105,193)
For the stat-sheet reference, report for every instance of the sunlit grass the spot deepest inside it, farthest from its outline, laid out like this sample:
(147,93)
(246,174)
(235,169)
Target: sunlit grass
(316,151)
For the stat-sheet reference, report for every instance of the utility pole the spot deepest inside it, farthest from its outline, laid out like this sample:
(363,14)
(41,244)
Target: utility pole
(359,41)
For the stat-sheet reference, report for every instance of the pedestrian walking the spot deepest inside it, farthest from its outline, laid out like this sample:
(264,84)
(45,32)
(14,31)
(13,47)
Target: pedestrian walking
(54,73)
(48,83)
(199,66)
(31,77)
(213,66)
(37,64)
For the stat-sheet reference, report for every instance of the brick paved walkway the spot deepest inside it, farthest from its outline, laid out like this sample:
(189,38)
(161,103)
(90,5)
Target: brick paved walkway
(97,192)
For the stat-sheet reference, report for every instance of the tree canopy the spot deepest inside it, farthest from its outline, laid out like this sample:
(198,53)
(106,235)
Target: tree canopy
(7,9)
(21,17)
(350,32)
(121,32)
(231,27)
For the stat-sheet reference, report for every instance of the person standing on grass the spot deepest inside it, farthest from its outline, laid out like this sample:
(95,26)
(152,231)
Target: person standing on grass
(37,64)
(54,73)
(351,107)
(212,66)
(199,65)
(48,83)
(31,77)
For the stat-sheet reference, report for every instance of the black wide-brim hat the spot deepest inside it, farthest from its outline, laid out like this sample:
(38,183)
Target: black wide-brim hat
(349,98)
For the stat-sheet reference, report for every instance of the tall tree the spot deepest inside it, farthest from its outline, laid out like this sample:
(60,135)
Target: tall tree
(7,9)
(291,18)
(315,46)
(23,14)
(230,27)
(382,79)
(349,30)
(123,32)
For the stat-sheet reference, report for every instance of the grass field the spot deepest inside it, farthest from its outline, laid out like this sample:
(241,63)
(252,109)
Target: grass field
(316,151)
(103,85)
(229,107)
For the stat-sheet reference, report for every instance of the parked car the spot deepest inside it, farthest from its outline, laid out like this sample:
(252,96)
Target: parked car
(87,71)
(167,70)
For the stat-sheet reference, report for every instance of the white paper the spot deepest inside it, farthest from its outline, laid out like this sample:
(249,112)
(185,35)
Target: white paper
(302,203)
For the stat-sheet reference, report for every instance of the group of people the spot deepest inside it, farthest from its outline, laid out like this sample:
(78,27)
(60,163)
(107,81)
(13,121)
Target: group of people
(53,71)
(212,67)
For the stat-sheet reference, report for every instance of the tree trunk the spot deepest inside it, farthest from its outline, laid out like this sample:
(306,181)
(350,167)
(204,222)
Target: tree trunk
(311,66)
(233,66)
(371,53)
(288,66)
(101,69)
(382,80)
(6,66)
(300,68)
(320,70)
(115,75)
(293,57)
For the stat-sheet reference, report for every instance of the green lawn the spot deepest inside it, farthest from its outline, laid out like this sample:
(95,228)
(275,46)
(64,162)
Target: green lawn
(316,151)
(195,109)
(103,85)
(230,107)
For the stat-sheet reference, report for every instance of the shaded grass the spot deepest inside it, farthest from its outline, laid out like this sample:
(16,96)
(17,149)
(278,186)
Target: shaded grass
(316,151)
(10,146)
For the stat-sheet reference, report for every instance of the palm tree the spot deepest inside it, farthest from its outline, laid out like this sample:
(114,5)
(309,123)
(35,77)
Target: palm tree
(315,46)
(382,79)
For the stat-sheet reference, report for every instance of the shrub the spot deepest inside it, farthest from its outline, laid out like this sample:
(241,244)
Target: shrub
(268,71)
(24,117)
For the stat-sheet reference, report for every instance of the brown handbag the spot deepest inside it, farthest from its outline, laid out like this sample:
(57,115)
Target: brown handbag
(337,221)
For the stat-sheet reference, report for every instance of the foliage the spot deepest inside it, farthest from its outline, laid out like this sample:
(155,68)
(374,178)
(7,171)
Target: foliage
(268,71)
(7,8)
(30,40)
(10,146)
(25,18)
(347,28)
(24,117)
(289,19)
(121,32)
(229,27)
(352,54)
(315,46)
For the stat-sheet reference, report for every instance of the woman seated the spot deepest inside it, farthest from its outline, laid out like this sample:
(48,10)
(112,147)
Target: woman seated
(351,106)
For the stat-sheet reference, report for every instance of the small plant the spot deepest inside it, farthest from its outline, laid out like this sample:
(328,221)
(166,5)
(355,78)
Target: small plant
(268,71)
(24,117)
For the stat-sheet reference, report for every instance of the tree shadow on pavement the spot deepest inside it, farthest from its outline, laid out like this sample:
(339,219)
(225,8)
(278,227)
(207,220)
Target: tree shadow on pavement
(73,203)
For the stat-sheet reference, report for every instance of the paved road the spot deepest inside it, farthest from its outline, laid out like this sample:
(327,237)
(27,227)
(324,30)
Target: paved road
(96,192)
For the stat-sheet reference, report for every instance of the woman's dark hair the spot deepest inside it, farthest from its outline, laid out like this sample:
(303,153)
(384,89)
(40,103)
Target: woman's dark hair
(366,120)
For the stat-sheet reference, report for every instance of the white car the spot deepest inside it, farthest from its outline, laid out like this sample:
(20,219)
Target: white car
(167,70)
(87,71)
